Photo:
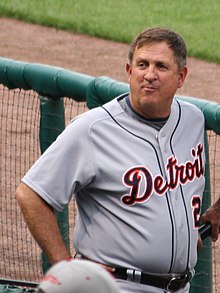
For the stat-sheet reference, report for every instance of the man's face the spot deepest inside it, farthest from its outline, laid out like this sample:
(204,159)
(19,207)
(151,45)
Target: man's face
(154,77)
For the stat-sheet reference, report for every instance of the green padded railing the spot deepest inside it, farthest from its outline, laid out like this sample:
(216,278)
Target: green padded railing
(46,80)
(53,83)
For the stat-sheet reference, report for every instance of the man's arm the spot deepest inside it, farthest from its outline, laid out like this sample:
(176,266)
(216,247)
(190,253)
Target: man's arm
(42,223)
(212,215)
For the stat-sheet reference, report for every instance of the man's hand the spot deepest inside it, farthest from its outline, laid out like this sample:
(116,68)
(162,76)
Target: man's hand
(212,215)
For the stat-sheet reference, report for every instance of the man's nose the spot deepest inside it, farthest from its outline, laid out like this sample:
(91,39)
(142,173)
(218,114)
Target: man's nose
(150,73)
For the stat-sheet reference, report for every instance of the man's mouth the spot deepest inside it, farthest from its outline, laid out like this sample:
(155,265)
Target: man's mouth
(149,88)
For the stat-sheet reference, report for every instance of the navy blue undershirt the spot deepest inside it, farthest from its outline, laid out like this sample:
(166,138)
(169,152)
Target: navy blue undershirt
(156,123)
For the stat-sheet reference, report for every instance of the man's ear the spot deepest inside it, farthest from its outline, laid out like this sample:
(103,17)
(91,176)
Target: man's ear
(128,68)
(182,76)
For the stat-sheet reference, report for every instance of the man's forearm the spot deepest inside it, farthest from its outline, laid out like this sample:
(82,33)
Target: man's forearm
(42,223)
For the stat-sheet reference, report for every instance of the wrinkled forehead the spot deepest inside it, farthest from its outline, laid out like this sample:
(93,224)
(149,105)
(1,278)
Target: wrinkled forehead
(140,43)
(155,51)
(162,49)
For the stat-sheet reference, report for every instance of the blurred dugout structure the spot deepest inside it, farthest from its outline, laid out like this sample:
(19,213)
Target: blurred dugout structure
(36,103)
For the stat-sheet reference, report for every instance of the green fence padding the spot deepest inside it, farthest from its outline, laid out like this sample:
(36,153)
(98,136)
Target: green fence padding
(11,74)
(102,90)
(73,84)
(52,123)
(52,120)
(46,80)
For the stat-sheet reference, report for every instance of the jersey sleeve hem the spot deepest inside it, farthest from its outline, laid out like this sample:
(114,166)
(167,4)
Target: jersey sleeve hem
(43,195)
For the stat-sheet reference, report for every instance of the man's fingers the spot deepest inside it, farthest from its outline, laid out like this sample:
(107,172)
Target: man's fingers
(215,232)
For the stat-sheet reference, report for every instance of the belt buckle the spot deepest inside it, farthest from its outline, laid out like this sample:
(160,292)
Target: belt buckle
(134,275)
(179,282)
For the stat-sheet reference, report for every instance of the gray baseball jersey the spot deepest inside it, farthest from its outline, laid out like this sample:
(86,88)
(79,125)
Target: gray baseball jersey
(138,190)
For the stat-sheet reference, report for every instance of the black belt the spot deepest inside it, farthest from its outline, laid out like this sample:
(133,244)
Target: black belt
(169,283)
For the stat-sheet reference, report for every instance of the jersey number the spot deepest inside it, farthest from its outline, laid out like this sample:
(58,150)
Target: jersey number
(196,205)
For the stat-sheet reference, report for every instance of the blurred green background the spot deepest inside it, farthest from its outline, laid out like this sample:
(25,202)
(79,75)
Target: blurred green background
(198,21)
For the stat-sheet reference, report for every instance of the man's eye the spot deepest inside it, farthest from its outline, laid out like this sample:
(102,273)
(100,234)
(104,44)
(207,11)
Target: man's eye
(162,66)
(142,65)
